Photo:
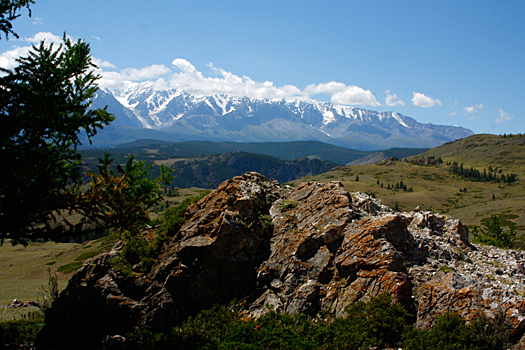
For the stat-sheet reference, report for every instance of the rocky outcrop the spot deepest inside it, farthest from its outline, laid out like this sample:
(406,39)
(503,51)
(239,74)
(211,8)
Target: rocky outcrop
(304,250)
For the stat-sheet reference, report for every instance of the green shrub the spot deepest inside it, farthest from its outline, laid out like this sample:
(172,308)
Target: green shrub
(288,204)
(451,332)
(15,333)
(377,323)
(493,233)
(173,218)
(138,253)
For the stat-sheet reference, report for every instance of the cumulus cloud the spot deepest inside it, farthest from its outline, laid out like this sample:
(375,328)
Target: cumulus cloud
(420,100)
(503,117)
(192,80)
(187,77)
(8,58)
(391,99)
(48,37)
(104,64)
(473,109)
(122,79)
(146,73)
(354,95)
(453,114)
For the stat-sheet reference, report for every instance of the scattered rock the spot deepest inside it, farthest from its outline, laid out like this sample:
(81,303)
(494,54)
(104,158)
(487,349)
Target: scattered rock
(18,304)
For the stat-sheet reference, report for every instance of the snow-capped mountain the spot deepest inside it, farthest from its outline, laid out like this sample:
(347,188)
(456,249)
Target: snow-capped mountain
(183,116)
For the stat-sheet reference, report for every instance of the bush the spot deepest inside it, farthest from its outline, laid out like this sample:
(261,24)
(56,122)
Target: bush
(451,332)
(173,218)
(493,233)
(377,323)
(139,253)
(15,333)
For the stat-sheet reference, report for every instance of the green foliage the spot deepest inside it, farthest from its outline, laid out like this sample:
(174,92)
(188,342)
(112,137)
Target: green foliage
(450,332)
(16,333)
(44,103)
(477,175)
(288,204)
(140,251)
(377,323)
(120,199)
(9,12)
(494,234)
(173,218)
(266,222)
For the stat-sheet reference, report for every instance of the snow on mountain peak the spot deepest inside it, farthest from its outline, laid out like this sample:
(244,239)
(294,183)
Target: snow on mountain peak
(250,119)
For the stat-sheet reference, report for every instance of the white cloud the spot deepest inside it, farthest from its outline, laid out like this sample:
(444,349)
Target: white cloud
(146,73)
(420,100)
(38,21)
(121,80)
(192,80)
(354,95)
(112,80)
(47,36)
(8,58)
(187,77)
(391,99)
(453,114)
(503,117)
(104,64)
(473,109)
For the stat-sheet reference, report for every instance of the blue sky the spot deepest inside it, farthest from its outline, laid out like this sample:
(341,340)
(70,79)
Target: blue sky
(447,62)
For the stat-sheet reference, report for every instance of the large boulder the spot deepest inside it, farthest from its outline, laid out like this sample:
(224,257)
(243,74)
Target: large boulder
(304,250)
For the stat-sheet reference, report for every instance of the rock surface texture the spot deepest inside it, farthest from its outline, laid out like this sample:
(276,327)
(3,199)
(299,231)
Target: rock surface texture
(299,250)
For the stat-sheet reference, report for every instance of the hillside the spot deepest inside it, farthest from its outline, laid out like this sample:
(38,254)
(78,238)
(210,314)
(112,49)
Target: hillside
(149,149)
(210,171)
(483,150)
(202,163)
(436,188)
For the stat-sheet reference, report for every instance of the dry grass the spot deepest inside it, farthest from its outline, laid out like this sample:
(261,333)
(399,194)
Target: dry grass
(435,188)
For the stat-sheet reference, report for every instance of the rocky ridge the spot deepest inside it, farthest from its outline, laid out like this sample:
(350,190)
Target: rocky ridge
(299,250)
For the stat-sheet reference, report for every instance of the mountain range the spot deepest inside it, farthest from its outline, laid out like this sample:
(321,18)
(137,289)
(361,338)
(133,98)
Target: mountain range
(176,115)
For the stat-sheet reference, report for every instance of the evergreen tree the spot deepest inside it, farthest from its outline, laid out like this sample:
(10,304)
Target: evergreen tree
(44,103)
(9,11)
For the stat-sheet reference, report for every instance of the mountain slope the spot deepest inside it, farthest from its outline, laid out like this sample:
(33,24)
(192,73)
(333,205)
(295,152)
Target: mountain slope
(483,150)
(243,119)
